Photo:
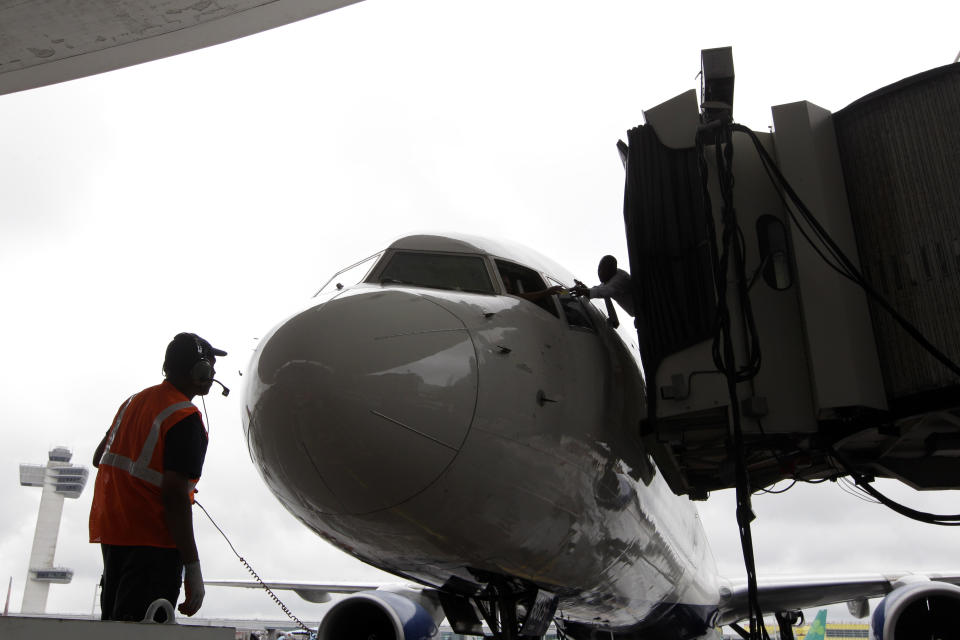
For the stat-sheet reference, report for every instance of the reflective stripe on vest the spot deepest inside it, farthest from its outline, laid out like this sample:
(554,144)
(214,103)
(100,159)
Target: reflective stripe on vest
(116,423)
(141,468)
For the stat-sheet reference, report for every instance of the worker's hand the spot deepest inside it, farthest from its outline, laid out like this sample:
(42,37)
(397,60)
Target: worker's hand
(193,586)
(580,289)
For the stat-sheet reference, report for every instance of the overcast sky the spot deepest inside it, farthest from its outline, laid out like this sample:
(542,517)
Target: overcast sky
(213,191)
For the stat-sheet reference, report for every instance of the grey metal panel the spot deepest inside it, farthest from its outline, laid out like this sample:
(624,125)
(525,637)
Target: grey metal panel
(43,42)
(844,366)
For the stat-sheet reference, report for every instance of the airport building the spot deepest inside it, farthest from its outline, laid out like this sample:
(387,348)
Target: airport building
(834,631)
(58,479)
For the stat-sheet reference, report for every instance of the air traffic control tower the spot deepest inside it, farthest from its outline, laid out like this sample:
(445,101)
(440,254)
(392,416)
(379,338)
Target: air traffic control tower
(59,479)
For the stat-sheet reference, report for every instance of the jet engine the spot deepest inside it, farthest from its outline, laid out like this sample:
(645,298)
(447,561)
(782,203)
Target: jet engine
(919,610)
(396,614)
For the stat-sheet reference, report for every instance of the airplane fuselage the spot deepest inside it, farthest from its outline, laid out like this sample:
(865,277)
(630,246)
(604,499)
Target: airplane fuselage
(448,435)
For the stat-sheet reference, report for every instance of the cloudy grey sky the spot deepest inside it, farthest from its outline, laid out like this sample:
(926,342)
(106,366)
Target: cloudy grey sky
(212,191)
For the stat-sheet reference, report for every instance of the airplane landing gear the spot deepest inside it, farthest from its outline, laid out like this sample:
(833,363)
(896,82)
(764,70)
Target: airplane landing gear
(787,620)
(512,609)
(512,616)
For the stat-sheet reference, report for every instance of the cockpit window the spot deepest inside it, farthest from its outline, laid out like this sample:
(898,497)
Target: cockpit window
(525,283)
(437,271)
(575,312)
(351,275)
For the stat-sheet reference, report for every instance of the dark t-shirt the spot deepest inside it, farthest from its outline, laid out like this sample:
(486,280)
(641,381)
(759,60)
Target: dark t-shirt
(185,447)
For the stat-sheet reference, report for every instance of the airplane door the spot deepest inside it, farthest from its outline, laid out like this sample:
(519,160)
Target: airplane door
(584,365)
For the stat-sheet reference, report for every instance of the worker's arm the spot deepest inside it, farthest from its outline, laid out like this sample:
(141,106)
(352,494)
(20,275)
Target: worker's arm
(175,494)
(99,452)
(619,284)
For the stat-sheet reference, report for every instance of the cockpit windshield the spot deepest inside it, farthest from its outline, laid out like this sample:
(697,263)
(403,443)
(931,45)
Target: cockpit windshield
(437,271)
(352,274)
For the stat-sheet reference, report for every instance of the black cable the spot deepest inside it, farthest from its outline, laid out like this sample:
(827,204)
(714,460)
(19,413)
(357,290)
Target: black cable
(746,306)
(772,451)
(756,272)
(732,250)
(851,490)
(723,340)
(257,577)
(921,516)
(846,266)
(206,415)
(689,381)
(784,464)
(778,491)
(848,487)
(740,631)
(799,226)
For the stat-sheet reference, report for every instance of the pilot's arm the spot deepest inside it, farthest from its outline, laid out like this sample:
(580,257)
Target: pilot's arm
(534,296)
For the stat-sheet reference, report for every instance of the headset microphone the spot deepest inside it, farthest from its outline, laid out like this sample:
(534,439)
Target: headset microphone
(225,391)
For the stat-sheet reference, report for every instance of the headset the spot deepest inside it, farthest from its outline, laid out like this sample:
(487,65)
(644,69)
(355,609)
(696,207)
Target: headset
(202,370)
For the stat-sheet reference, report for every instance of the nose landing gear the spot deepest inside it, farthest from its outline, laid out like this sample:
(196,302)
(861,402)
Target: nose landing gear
(512,609)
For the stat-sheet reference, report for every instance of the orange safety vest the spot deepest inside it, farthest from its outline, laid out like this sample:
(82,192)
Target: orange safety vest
(127,507)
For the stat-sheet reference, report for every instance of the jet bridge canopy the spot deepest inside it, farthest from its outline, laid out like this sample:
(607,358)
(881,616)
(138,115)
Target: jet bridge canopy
(50,41)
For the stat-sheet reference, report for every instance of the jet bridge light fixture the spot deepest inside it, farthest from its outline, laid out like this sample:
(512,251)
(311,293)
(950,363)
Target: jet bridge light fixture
(716,84)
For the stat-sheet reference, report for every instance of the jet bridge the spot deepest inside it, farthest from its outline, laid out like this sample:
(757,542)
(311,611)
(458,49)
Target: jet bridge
(842,323)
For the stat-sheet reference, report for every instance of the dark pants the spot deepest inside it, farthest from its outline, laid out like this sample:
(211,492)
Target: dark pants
(133,577)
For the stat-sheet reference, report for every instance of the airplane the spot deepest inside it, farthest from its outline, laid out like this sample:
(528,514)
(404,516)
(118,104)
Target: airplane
(818,628)
(493,460)
(483,446)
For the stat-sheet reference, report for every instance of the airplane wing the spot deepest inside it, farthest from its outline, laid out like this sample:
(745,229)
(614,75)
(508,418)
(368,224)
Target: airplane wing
(50,41)
(802,592)
(309,591)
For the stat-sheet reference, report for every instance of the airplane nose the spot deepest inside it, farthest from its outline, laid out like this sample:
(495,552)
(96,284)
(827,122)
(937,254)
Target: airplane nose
(360,403)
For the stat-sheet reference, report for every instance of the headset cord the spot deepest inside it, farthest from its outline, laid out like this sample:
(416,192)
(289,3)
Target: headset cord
(206,415)
(269,591)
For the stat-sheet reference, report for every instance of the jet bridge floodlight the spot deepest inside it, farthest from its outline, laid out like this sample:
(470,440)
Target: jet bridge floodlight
(716,83)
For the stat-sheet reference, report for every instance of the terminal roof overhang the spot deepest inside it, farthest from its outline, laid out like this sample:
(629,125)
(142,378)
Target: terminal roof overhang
(43,42)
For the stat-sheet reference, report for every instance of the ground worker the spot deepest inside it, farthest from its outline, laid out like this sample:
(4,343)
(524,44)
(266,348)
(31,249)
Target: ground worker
(614,284)
(147,466)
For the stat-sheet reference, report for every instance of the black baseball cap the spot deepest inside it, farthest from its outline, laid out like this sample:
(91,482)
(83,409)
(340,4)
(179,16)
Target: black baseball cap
(185,350)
